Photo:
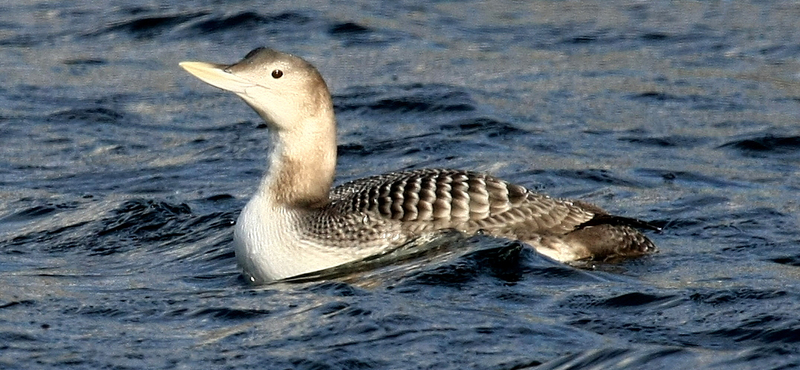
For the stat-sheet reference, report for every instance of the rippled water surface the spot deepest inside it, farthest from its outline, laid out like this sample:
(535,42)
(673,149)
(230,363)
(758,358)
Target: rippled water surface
(121,177)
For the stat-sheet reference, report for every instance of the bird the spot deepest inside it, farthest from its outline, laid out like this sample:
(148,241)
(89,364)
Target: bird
(297,223)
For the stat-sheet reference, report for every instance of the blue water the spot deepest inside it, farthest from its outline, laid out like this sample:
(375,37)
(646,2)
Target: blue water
(121,177)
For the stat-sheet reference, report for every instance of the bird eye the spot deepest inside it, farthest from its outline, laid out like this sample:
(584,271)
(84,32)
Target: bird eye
(277,74)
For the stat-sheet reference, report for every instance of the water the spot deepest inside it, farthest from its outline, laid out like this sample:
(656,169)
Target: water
(121,176)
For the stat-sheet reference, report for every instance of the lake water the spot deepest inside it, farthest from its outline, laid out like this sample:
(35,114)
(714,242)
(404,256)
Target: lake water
(121,177)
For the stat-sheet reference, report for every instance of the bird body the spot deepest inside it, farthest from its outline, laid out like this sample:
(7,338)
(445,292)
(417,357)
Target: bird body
(295,223)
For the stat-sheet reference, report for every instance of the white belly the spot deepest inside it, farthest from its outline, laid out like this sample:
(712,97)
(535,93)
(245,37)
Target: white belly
(268,246)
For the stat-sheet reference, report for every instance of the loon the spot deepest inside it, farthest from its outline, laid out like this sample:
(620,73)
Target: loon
(296,223)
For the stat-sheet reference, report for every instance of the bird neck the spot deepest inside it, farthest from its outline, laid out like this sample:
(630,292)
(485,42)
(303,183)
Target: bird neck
(302,163)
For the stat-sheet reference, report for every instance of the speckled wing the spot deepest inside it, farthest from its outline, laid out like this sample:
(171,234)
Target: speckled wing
(433,198)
